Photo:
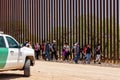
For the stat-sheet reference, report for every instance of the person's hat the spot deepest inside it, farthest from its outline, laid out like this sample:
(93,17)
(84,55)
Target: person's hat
(54,41)
(75,44)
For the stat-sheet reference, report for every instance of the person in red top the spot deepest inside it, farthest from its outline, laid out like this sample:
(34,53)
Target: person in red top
(37,50)
(84,53)
(84,50)
(43,49)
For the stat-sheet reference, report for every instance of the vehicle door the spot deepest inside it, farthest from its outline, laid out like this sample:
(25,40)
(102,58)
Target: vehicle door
(13,52)
(3,53)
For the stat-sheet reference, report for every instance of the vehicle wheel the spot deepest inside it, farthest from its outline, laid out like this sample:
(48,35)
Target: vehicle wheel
(27,68)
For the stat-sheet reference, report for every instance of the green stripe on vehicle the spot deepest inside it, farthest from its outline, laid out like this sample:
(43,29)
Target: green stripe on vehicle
(3,57)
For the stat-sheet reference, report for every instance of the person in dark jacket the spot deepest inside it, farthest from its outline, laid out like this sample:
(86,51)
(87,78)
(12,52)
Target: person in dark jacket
(77,53)
(24,44)
(54,50)
(47,51)
(88,54)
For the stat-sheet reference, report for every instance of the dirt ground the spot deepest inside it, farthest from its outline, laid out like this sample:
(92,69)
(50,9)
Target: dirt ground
(64,71)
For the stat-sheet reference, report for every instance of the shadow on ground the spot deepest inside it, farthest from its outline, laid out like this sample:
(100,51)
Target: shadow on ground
(10,76)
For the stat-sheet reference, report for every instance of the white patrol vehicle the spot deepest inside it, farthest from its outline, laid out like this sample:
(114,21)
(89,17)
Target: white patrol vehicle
(15,57)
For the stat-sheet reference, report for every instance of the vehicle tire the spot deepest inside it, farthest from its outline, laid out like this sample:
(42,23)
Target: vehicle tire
(27,68)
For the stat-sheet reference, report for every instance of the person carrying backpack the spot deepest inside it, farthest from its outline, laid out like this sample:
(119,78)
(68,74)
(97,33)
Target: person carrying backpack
(54,50)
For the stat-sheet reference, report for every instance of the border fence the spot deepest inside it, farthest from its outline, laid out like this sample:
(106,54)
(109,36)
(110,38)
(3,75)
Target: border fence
(83,21)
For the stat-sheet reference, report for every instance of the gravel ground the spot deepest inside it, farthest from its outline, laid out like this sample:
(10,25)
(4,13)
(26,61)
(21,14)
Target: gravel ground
(63,71)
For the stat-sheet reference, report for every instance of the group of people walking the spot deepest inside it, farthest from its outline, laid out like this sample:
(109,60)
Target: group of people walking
(85,52)
(50,52)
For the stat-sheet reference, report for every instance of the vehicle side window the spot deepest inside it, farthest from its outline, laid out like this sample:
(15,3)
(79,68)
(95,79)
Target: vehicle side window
(2,42)
(12,43)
